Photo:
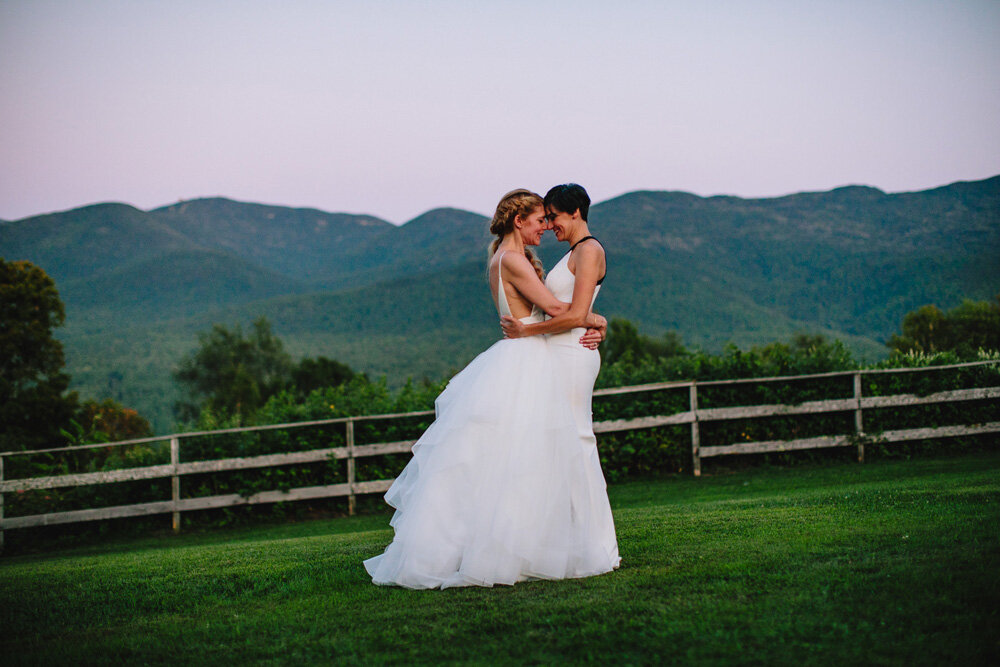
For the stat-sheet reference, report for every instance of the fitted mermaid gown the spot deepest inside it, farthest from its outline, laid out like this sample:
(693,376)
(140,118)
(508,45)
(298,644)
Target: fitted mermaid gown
(501,487)
(577,367)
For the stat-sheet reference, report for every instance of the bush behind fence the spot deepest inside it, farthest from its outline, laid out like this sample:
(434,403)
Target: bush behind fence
(624,455)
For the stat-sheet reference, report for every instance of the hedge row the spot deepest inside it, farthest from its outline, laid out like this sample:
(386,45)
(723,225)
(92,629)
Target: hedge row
(657,451)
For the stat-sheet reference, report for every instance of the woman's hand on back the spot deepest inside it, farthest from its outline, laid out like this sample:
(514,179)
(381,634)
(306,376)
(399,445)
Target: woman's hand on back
(595,321)
(591,339)
(512,328)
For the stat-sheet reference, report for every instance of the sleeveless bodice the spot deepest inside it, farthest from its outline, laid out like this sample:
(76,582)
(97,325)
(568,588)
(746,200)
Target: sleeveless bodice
(503,306)
(561,282)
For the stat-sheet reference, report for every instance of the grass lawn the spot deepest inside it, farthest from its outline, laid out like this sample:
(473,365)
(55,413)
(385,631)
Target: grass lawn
(882,563)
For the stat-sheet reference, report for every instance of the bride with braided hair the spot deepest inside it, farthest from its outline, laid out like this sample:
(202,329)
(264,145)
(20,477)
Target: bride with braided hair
(499,486)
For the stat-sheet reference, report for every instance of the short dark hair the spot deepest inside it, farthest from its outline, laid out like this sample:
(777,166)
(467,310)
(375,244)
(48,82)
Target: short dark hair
(568,198)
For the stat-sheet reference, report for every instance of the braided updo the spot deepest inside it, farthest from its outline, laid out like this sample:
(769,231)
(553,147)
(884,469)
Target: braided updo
(516,202)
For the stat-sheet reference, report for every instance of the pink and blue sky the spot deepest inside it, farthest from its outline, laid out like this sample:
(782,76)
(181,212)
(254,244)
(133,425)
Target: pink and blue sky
(392,108)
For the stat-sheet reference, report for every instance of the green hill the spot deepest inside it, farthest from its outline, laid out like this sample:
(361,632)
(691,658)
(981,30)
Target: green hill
(300,243)
(88,241)
(438,239)
(412,300)
(852,259)
(175,283)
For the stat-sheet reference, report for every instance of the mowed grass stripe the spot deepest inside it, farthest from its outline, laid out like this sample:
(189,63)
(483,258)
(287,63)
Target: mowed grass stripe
(883,563)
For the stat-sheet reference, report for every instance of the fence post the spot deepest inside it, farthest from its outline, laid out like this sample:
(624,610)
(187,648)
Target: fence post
(1,505)
(350,467)
(175,482)
(695,436)
(858,424)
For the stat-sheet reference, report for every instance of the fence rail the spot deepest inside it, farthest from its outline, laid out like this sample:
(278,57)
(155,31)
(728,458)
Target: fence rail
(350,452)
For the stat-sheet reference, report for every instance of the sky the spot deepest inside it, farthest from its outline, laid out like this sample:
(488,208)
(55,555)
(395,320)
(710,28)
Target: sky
(393,108)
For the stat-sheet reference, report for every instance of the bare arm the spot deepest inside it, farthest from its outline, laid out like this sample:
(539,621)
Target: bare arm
(589,259)
(522,275)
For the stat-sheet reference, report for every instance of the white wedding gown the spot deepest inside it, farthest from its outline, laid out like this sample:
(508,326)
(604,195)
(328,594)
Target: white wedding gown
(505,485)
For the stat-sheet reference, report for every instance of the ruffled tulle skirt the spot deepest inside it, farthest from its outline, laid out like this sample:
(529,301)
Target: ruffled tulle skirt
(501,488)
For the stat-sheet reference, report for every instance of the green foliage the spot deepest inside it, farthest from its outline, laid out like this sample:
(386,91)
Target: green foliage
(625,343)
(965,329)
(923,384)
(316,373)
(666,450)
(888,563)
(232,373)
(93,423)
(634,359)
(804,354)
(358,396)
(34,404)
(174,284)
(110,421)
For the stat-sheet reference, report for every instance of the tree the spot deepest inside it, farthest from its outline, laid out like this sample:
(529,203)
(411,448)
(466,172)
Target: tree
(975,325)
(625,342)
(806,353)
(319,373)
(34,403)
(923,331)
(110,421)
(231,373)
(971,326)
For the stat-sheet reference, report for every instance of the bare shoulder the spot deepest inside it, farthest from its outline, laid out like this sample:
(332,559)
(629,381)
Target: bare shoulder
(516,263)
(590,250)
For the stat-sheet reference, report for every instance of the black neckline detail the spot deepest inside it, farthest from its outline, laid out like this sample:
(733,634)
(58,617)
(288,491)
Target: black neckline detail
(587,238)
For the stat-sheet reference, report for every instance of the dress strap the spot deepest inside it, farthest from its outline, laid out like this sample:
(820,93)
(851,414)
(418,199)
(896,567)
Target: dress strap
(502,304)
(587,238)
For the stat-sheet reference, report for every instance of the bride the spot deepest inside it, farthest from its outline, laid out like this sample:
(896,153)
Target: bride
(576,279)
(502,487)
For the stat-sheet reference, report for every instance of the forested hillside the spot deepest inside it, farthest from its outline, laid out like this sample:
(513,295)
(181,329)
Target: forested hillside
(305,245)
(411,300)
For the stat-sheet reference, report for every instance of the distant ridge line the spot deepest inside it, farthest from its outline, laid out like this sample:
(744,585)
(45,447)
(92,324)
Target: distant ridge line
(313,209)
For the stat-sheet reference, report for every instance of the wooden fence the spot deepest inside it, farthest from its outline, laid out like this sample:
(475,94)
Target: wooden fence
(695,416)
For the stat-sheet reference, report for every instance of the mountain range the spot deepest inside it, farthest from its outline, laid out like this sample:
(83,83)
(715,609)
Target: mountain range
(411,300)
